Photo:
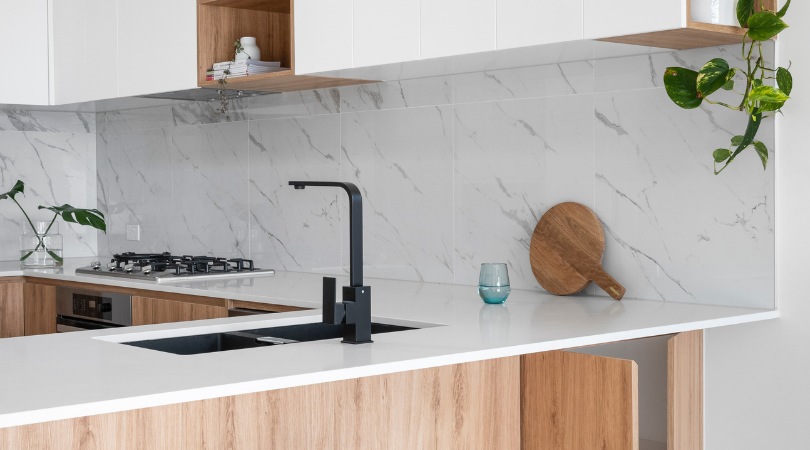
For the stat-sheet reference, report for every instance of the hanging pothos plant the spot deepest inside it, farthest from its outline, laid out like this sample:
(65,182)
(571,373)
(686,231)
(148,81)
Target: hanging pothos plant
(760,99)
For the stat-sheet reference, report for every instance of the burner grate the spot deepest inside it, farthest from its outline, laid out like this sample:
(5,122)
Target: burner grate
(185,264)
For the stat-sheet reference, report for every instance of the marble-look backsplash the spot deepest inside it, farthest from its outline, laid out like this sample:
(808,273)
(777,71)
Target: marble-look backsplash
(455,171)
(54,154)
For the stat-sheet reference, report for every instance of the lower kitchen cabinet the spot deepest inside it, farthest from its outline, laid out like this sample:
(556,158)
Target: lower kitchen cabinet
(574,401)
(585,398)
(147,310)
(11,308)
(644,394)
(463,406)
(40,308)
(28,307)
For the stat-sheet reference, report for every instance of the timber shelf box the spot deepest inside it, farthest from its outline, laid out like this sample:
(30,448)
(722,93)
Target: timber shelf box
(694,34)
(221,22)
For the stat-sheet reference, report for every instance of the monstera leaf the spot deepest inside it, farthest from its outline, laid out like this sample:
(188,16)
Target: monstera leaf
(91,217)
(18,188)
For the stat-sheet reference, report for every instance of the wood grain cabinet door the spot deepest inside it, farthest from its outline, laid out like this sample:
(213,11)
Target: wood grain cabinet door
(40,309)
(592,397)
(147,311)
(573,401)
(11,309)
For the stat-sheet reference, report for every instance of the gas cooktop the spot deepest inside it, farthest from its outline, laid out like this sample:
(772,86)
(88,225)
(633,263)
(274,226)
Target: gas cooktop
(165,267)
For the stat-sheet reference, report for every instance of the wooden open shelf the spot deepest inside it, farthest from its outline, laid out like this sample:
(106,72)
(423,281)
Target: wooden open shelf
(694,35)
(277,6)
(283,82)
(221,22)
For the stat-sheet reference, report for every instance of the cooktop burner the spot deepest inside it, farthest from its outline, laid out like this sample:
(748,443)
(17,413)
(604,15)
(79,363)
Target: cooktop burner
(165,267)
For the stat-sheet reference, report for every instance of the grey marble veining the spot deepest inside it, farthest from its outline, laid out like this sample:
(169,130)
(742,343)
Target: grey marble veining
(402,161)
(455,170)
(134,120)
(513,161)
(647,71)
(135,188)
(525,82)
(200,113)
(673,236)
(47,121)
(57,168)
(210,200)
(293,104)
(290,229)
(397,94)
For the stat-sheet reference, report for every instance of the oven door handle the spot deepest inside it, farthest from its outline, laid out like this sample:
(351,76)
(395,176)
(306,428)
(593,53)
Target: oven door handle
(67,324)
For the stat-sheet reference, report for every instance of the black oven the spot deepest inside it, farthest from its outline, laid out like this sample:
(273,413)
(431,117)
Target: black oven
(81,309)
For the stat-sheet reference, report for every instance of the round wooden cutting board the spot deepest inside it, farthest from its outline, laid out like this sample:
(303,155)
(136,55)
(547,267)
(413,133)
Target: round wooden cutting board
(566,251)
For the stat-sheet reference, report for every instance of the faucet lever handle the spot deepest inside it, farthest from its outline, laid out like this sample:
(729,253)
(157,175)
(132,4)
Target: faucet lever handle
(331,313)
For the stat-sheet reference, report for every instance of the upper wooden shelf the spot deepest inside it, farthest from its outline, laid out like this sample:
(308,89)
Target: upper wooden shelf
(284,81)
(695,35)
(276,6)
(221,22)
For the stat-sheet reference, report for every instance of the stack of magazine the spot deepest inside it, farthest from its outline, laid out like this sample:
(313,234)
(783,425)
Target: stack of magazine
(231,69)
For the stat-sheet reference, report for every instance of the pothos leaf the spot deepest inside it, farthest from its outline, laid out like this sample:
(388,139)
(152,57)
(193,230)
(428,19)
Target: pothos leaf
(783,10)
(751,129)
(744,10)
(736,140)
(712,76)
(762,151)
(91,217)
(729,85)
(768,97)
(784,80)
(765,25)
(721,154)
(681,86)
(19,188)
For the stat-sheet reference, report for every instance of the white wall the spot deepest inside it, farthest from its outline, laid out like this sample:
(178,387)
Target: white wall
(757,390)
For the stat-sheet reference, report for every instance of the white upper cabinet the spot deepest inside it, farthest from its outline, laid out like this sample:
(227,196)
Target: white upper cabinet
(605,19)
(100,46)
(323,35)
(457,27)
(385,31)
(522,23)
(157,46)
(70,51)
(24,52)
(83,51)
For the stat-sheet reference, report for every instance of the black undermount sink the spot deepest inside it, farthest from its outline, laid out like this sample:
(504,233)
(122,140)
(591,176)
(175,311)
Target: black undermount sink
(235,340)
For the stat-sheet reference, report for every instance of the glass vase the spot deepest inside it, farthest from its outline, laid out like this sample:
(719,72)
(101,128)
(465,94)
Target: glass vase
(41,246)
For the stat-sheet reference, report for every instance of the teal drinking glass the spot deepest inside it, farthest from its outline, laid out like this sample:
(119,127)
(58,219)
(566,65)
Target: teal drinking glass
(493,283)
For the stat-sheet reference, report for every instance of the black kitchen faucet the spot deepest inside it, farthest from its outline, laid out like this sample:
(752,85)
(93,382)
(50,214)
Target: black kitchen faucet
(355,311)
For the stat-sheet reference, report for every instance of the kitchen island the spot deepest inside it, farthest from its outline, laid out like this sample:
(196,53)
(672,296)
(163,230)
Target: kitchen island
(460,347)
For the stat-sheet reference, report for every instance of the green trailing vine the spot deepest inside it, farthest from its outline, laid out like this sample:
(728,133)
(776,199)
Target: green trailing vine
(223,98)
(90,217)
(760,98)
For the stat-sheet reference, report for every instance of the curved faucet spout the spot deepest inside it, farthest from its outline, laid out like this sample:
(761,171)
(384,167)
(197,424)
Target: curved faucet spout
(355,225)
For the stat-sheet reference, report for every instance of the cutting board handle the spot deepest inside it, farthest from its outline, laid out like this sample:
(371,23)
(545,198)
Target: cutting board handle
(608,284)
